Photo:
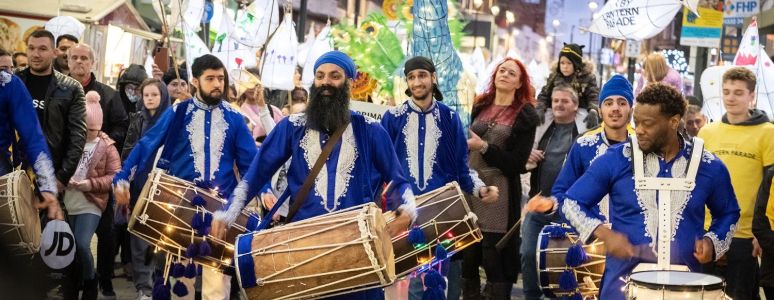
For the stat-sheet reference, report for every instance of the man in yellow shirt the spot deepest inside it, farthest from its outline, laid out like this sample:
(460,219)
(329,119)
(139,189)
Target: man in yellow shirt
(744,141)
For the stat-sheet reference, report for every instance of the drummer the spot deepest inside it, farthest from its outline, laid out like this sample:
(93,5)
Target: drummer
(203,139)
(423,124)
(17,107)
(354,172)
(634,215)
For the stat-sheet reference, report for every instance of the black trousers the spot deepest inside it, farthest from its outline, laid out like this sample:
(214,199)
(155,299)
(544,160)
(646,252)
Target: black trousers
(499,266)
(106,247)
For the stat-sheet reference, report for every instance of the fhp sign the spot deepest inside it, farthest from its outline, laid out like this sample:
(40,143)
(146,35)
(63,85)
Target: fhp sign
(740,8)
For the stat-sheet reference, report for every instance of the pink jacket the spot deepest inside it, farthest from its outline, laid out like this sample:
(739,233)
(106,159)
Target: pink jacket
(251,112)
(672,78)
(103,165)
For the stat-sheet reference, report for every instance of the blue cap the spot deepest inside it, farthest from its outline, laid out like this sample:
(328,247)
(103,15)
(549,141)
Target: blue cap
(617,86)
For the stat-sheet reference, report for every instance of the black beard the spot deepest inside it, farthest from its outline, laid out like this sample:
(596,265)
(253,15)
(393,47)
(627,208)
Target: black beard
(208,98)
(328,113)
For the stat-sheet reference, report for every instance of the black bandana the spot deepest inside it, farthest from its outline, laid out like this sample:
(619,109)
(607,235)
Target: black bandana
(422,63)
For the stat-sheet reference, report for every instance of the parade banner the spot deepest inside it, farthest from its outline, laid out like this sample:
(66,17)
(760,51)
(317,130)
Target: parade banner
(317,47)
(634,20)
(254,24)
(233,54)
(703,30)
(749,47)
(369,109)
(194,46)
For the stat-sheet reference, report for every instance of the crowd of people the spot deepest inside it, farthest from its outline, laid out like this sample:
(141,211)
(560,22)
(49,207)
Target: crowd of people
(572,153)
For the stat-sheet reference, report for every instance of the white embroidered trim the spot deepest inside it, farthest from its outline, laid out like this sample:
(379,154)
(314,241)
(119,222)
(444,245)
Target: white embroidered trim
(721,246)
(707,157)
(238,201)
(132,173)
(196,138)
(627,151)
(582,222)
(409,205)
(399,110)
(601,149)
(44,169)
(217,134)
(310,143)
(589,140)
(370,120)
(430,140)
(298,120)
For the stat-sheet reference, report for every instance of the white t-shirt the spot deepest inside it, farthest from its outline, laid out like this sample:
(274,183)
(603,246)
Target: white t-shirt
(75,201)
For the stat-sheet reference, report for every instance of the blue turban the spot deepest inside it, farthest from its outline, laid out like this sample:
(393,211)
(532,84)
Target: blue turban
(340,59)
(617,86)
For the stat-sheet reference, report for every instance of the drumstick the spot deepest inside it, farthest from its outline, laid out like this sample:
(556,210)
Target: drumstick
(503,241)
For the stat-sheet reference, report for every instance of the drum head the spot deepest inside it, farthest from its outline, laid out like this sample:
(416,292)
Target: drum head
(677,280)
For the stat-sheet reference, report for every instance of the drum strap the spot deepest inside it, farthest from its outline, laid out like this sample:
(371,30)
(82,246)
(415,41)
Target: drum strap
(664,187)
(300,197)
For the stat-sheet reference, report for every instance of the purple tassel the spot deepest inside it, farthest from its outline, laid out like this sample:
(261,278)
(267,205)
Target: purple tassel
(196,222)
(434,286)
(199,201)
(161,291)
(178,270)
(204,248)
(567,281)
(190,270)
(556,232)
(252,222)
(192,251)
(416,237)
(207,220)
(440,253)
(179,289)
(576,256)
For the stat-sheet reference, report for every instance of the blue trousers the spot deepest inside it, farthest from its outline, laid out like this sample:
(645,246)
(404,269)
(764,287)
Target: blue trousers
(83,227)
(530,230)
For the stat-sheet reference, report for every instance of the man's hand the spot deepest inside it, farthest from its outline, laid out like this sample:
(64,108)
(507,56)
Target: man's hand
(122,194)
(757,251)
(83,185)
(535,156)
(218,229)
(49,202)
(268,200)
(703,250)
(540,204)
(489,194)
(475,143)
(616,243)
(157,72)
(399,225)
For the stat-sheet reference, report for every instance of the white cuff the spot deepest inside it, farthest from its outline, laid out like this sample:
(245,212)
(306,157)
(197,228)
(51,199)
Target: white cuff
(721,246)
(584,224)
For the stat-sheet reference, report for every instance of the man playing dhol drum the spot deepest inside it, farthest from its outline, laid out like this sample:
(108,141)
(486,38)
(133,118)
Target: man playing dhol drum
(423,124)
(203,139)
(354,172)
(635,212)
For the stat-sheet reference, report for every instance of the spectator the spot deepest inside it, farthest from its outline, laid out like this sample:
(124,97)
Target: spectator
(20,60)
(656,69)
(178,87)
(262,116)
(298,95)
(574,72)
(694,120)
(128,87)
(6,62)
(63,43)
(86,196)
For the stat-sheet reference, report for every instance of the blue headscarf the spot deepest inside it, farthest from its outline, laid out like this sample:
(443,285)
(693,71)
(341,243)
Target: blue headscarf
(340,59)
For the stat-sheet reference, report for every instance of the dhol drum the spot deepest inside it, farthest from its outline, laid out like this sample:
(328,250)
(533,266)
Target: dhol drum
(19,220)
(163,216)
(322,256)
(446,220)
(668,285)
(553,245)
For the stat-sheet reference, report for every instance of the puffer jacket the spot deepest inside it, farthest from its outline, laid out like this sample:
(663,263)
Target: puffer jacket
(64,123)
(103,165)
(583,81)
(134,74)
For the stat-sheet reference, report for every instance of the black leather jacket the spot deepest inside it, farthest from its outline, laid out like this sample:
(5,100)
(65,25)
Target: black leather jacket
(64,123)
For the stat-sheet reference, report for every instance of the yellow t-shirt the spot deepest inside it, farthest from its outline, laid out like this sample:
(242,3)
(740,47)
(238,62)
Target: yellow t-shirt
(745,150)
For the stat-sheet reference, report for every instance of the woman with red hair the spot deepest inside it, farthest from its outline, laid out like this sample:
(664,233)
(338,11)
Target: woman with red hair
(502,130)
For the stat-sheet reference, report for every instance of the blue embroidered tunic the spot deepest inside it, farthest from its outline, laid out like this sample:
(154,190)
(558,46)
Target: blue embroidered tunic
(204,148)
(635,212)
(19,115)
(431,146)
(585,150)
(353,174)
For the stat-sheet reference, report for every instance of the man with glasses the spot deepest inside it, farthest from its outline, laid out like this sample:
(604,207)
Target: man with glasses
(128,87)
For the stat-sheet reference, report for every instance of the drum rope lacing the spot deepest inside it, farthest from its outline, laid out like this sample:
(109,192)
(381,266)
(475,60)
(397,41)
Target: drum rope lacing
(14,209)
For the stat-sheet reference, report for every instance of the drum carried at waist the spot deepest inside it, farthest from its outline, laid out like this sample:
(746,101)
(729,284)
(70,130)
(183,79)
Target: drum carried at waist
(445,219)
(19,220)
(163,216)
(326,255)
(563,260)
(650,285)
